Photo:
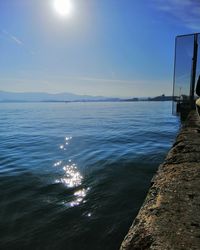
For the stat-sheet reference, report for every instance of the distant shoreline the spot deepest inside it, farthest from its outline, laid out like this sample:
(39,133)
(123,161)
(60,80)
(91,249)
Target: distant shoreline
(69,97)
(109,101)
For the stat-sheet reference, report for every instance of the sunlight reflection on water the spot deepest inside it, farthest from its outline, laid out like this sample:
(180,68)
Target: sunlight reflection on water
(67,139)
(58,163)
(80,195)
(72,178)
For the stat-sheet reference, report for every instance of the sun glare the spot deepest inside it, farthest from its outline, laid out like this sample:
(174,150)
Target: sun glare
(63,7)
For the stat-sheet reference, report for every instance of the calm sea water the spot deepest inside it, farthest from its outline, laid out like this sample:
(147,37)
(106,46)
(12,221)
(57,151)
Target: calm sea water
(73,175)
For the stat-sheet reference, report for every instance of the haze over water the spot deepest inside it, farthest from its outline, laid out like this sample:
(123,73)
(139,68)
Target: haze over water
(73,175)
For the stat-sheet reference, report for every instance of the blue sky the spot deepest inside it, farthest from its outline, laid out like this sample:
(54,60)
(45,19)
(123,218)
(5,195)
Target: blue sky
(105,47)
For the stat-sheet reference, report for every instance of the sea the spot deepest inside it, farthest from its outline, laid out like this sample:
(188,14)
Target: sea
(74,175)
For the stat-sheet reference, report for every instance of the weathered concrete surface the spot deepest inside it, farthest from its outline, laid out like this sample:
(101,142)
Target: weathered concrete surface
(170,216)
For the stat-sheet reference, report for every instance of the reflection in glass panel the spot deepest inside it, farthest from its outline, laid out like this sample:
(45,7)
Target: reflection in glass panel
(182,70)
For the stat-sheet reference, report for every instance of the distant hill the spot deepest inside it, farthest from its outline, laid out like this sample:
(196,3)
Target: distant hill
(161,98)
(134,99)
(46,97)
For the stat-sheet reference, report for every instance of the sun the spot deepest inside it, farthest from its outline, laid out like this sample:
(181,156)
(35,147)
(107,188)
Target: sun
(63,7)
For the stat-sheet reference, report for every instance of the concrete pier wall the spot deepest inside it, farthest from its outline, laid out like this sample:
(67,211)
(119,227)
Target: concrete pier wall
(170,216)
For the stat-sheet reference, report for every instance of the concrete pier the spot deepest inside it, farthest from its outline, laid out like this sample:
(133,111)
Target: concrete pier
(170,216)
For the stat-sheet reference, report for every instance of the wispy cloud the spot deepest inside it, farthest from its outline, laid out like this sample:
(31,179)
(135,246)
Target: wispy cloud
(16,40)
(185,11)
(12,37)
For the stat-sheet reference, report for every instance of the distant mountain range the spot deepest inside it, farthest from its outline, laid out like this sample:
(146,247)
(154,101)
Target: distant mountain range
(46,97)
(69,97)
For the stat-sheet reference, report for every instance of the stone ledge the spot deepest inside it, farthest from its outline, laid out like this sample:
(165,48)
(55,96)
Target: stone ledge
(170,216)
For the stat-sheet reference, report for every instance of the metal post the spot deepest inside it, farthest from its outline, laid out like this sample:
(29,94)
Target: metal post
(174,79)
